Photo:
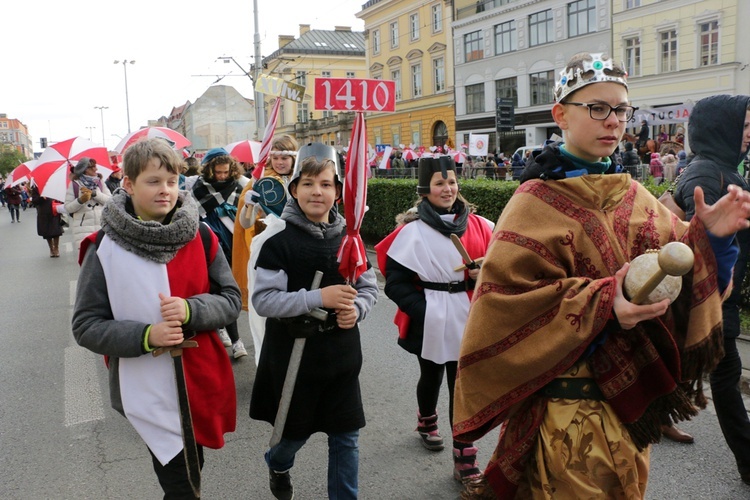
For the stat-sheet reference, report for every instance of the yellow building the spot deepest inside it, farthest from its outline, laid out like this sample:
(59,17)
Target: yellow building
(678,52)
(411,43)
(338,53)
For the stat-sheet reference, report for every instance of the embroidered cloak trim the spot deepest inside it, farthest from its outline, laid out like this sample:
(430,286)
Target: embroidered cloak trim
(546,293)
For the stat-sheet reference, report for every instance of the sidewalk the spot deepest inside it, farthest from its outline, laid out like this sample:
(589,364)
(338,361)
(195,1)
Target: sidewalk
(743,343)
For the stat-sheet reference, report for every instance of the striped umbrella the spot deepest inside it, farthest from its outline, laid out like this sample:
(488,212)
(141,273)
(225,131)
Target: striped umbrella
(265,145)
(20,174)
(351,256)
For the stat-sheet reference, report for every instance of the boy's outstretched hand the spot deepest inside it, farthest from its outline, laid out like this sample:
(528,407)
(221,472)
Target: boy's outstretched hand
(166,333)
(346,318)
(338,296)
(726,216)
(173,308)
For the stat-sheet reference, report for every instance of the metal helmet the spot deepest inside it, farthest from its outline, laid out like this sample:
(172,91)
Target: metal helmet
(320,152)
(428,166)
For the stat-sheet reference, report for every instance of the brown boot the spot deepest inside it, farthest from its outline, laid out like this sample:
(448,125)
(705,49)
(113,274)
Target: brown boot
(56,244)
(51,247)
(674,433)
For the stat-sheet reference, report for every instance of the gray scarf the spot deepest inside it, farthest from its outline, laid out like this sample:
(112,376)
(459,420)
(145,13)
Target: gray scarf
(151,240)
(294,215)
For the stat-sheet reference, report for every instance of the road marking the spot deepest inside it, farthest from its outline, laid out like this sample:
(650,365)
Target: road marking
(72,292)
(83,398)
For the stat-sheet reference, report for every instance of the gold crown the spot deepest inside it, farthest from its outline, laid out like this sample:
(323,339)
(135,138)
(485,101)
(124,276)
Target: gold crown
(593,69)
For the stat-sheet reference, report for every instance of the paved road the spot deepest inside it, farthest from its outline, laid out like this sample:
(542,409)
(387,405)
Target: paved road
(60,440)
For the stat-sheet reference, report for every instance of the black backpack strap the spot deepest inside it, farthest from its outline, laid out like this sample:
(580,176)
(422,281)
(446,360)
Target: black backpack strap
(205,232)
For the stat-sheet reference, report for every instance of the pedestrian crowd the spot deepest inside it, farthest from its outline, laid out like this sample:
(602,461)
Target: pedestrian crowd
(526,319)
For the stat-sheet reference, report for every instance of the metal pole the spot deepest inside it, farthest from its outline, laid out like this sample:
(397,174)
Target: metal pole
(101,110)
(127,101)
(260,115)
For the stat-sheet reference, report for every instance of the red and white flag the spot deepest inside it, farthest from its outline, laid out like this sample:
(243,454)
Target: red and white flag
(265,145)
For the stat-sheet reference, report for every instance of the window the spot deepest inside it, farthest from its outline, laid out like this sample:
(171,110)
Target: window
(629,4)
(541,86)
(376,41)
(505,37)
(437,18)
(475,98)
(302,113)
(473,46)
(396,77)
(394,35)
(302,78)
(325,74)
(414,26)
(668,51)
(350,74)
(633,56)
(416,80)
(438,73)
(581,17)
(508,88)
(540,28)
(709,43)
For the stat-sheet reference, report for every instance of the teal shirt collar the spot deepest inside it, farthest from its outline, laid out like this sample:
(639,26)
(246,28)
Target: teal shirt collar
(583,166)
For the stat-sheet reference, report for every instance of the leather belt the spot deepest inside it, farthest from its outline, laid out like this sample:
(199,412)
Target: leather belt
(452,287)
(573,388)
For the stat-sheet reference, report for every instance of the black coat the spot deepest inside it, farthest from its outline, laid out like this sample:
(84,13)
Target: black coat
(47,225)
(630,158)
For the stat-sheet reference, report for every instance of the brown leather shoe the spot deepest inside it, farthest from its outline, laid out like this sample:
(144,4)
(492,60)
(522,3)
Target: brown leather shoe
(674,433)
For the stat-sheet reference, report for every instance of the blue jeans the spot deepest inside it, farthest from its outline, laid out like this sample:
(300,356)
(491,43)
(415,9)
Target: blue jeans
(343,462)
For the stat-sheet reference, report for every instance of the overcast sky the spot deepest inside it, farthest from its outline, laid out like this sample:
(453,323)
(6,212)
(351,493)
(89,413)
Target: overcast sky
(57,61)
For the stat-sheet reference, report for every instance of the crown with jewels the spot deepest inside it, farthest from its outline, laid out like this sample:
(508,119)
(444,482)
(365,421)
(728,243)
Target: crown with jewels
(593,69)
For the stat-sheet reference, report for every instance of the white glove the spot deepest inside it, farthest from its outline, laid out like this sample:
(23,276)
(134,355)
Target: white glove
(251,198)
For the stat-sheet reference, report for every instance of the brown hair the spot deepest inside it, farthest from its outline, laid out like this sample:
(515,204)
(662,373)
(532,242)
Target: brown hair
(137,156)
(208,172)
(281,143)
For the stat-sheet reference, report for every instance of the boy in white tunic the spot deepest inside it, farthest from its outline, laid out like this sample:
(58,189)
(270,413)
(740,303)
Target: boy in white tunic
(150,279)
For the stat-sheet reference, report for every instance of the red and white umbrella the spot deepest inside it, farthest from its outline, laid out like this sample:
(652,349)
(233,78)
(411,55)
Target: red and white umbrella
(351,255)
(177,140)
(458,156)
(409,154)
(52,171)
(265,145)
(20,174)
(244,151)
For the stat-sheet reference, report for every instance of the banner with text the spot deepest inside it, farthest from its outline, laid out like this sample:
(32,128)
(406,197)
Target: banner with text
(667,114)
(355,94)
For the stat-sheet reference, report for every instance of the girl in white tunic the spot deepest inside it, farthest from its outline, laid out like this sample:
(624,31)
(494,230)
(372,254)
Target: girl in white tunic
(419,261)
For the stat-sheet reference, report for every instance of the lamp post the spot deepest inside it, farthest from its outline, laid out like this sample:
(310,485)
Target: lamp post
(101,110)
(125,62)
(90,129)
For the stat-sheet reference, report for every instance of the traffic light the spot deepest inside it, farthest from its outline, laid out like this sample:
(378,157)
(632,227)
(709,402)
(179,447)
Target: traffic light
(43,142)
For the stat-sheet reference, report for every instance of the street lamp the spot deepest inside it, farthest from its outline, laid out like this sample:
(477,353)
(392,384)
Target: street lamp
(90,129)
(127,103)
(101,110)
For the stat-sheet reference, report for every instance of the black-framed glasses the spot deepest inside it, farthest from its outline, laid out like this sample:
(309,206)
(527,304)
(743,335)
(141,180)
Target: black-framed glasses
(602,110)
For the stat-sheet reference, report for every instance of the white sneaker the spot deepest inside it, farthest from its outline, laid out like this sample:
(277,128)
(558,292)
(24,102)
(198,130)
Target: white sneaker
(238,349)
(224,336)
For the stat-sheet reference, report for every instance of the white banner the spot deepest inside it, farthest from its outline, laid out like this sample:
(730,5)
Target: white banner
(478,144)
(666,114)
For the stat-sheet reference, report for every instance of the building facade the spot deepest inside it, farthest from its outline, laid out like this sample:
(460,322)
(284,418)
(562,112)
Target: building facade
(679,51)
(15,135)
(338,53)
(515,49)
(218,117)
(411,43)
